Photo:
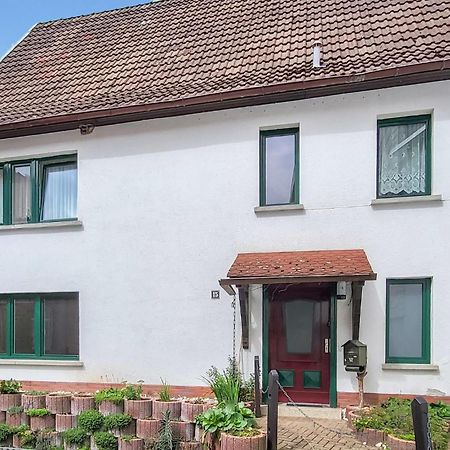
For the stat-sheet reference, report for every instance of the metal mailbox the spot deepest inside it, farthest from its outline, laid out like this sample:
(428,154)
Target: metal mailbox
(355,356)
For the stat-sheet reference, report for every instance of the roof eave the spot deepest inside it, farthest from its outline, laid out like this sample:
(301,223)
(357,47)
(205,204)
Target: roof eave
(414,74)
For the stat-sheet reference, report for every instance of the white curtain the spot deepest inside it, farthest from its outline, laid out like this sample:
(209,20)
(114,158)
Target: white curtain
(403,155)
(21,194)
(59,200)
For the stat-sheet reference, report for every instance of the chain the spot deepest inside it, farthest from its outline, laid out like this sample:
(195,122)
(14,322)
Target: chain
(233,304)
(430,445)
(314,422)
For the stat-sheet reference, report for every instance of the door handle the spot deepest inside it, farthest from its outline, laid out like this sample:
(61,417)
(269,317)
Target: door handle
(327,345)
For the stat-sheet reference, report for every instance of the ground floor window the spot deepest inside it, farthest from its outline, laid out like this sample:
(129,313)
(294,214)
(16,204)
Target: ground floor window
(408,321)
(41,326)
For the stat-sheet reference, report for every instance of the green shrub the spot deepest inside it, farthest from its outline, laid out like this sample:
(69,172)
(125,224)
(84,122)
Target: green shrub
(117,421)
(105,440)
(75,436)
(441,409)
(90,421)
(394,417)
(5,432)
(164,393)
(13,410)
(10,387)
(111,394)
(36,392)
(27,437)
(37,412)
(132,392)
(227,417)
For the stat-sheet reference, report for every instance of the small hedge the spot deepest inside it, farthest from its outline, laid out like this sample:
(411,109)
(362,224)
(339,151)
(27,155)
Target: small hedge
(394,417)
(75,436)
(91,421)
(117,421)
(105,441)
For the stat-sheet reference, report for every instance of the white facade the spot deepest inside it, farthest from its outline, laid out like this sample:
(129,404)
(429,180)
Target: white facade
(166,205)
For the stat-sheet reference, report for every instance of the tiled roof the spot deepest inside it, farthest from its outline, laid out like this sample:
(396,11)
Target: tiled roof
(175,50)
(319,263)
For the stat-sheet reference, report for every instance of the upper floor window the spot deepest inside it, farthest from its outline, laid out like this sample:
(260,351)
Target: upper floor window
(408,321)
(38,190)
(279,172)
(404,156)
(39,326)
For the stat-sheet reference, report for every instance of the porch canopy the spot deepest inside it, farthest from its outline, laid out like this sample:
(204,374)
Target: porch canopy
(298,267)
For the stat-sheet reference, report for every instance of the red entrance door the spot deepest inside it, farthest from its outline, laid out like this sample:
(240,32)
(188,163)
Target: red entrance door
(299,333)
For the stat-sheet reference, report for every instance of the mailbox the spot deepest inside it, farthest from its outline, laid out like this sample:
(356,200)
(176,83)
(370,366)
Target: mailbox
(355,356)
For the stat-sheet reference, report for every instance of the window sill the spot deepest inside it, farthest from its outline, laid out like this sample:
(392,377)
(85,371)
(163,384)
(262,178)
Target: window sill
(401,200)
(414,367)
(35,226)
(279,208)
(41,362)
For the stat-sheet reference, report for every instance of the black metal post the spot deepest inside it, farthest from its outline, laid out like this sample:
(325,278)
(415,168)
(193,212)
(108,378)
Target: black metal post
(419,409)
(257,388)
(272,413)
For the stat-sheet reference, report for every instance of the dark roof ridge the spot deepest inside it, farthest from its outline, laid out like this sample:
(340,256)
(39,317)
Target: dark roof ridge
(99,13)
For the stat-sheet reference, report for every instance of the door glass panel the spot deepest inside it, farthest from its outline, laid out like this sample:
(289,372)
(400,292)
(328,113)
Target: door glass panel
(61,326)
(405,320)
(24,326)
(21,194)
(3,321)
(298,323)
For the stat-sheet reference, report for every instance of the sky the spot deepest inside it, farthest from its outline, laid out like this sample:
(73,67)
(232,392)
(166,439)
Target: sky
(18,16)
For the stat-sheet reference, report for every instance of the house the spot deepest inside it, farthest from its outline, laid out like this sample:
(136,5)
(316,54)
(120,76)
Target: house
(297,152)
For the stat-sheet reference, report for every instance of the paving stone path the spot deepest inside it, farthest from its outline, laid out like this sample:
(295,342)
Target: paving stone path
(301,433)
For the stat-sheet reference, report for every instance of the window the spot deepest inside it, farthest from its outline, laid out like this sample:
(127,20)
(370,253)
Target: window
(408,321)
(40,190)
(404,157)
(279,172)
(39,326)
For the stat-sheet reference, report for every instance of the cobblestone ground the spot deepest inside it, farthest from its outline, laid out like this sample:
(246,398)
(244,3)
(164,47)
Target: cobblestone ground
(327,434)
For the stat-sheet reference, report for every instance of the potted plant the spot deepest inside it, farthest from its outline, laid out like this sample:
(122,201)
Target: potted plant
(164,403)
(75,439)
(59,402)
(129,442)
(40,419)
(91,421)
(147,428)
(82,402)
(120,424)
(34,400)
(9,394)
(191,408)
(110,401)
(23,437)
(64,422)
(15,416)
(135,405)
(105,441)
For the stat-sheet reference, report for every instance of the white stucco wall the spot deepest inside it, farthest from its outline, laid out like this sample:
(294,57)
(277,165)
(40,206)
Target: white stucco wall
(167,204)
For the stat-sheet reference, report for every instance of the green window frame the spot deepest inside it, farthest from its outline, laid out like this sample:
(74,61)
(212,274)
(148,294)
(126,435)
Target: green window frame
(7,325)
(425,312)
(263,137)
(37,182)
(408,120)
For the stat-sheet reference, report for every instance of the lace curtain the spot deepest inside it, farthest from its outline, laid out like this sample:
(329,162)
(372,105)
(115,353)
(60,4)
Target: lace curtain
(403,155)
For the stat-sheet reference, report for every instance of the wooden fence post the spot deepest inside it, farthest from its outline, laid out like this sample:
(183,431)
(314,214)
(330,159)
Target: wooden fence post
(272,413)
(257,388)
(419,410)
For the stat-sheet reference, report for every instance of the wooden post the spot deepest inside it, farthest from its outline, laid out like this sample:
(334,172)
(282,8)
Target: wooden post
(244,308)
(272,413)
(361,376)
(356,308)
(421,423)
(257,388)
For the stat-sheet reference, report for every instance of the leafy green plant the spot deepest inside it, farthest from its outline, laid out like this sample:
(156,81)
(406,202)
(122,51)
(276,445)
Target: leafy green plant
(164,393)
(27,437)
(105,440)
(111,394)
(13,410)
(10,387)
(165,439)
(76,436)
(227,417)
(229,385)
(5,432)
(117,421)
(37,412)
(132,391)
(90,421)
(128,437)
(36,392)
(394,417)
(441,409)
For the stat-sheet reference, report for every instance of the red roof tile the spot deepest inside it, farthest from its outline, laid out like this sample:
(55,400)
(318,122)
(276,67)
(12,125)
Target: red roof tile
(176,50)
(319,263)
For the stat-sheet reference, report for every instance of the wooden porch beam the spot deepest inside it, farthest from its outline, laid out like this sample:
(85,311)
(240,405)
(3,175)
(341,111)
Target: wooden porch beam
(356,308)
(245,315)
